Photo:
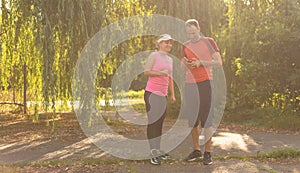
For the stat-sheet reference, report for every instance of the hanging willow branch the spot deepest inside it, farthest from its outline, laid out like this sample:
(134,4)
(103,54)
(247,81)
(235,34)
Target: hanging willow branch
(2,33)
(11,103)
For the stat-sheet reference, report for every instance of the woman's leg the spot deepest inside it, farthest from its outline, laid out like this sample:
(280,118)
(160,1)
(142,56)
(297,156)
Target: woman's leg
(156,112)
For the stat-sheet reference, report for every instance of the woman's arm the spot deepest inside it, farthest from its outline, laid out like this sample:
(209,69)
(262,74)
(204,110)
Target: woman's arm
(156,73)
(171,88)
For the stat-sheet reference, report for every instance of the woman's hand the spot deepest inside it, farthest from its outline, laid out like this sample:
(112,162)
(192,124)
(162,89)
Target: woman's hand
(172,99)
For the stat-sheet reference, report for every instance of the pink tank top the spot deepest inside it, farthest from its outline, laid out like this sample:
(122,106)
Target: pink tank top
(159,84)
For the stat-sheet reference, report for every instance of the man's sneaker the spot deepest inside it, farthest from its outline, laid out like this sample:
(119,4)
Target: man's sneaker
(155,160)
(164,155)
(207,158)
(196,154)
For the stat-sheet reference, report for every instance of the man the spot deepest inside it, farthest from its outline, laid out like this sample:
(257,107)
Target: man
(199,55)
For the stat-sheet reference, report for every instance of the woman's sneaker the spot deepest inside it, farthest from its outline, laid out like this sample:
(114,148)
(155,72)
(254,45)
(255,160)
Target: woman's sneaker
(155,161)
(207,160)
(196,154)
(155,158)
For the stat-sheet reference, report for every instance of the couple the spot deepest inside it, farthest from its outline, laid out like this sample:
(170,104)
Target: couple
(198,55)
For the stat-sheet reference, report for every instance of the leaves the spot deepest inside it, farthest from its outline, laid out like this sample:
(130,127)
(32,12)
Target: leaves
(259,43)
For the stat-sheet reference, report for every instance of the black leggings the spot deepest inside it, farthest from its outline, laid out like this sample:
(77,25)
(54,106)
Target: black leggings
(156,113)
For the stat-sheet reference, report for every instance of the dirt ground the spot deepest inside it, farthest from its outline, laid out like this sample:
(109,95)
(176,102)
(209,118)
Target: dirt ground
(59,145)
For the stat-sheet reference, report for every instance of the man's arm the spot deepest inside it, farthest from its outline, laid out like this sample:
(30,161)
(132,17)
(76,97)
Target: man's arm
(216,61)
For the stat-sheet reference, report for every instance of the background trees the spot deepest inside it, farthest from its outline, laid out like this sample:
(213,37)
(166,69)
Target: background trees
(259,42)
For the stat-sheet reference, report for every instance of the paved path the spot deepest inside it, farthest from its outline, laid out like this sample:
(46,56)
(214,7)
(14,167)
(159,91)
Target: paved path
(225,142)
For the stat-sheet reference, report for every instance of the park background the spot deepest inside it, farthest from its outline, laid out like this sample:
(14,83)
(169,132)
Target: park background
(259,40)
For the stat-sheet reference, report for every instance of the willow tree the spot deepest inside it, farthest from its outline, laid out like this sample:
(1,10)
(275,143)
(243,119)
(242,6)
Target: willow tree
(19,55)
(44,37)
(48,36)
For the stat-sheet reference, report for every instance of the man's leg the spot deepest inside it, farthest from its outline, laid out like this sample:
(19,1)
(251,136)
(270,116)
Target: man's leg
(206,115)
(196,154)
(206,112)
(208,132)
(191,109)
(195,137)
(207,158)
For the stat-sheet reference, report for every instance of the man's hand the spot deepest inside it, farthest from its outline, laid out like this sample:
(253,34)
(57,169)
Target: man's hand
(195,63)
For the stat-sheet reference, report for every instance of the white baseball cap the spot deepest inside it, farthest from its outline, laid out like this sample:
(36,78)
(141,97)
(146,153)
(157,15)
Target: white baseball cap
(164,37)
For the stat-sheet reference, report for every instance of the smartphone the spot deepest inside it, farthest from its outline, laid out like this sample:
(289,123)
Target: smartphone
(187,60)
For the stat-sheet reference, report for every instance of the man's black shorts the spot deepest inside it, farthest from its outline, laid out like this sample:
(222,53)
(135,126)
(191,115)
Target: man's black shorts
(198,103)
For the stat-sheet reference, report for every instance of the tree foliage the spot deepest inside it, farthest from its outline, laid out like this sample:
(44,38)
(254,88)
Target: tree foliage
(259,42)
(262,53)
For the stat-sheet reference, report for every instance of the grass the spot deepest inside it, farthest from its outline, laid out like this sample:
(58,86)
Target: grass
(266,169)
(278,154)
(87,161)
(263,117)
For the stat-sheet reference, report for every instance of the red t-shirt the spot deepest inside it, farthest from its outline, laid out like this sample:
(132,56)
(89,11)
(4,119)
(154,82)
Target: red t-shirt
(201,51)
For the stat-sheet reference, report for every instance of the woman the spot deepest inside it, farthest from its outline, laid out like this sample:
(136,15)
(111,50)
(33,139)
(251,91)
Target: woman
(158,68)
